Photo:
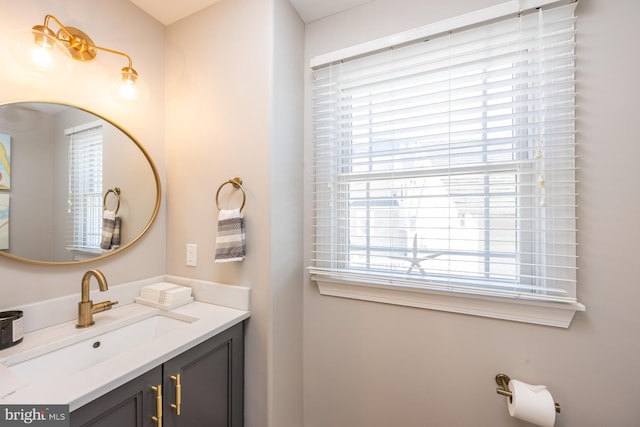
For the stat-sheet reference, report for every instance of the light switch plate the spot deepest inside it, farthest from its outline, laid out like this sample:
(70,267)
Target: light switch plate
(192,254)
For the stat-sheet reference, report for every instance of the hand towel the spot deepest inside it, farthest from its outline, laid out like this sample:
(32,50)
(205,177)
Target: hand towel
(115,239)
(230,243)
(108,223)
(165,293)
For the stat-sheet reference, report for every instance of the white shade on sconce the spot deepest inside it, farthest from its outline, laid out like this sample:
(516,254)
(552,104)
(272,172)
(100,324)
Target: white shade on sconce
(122,89)
(45,58)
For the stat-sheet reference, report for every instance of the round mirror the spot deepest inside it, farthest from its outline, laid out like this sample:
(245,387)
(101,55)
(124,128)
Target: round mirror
(74,186)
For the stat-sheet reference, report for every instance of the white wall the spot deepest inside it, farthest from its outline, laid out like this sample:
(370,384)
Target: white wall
(376,365)
(115,24)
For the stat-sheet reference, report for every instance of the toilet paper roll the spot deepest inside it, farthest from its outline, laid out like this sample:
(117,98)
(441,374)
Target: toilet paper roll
(532,403)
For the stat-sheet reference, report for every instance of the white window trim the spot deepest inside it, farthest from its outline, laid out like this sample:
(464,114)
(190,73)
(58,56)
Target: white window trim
(519,310)
(513,309)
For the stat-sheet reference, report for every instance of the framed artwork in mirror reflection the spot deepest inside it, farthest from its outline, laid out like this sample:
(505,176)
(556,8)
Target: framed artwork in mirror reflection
(5,161)
(4,221)
(5,184)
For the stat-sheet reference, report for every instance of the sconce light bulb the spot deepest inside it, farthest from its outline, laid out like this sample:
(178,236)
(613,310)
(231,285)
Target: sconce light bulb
(128,86)
(128,91)
(41,56)
(44,40)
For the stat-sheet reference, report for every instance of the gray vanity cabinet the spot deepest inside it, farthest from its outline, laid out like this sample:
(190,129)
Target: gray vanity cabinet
(211,378)
(132,404)
(207,381)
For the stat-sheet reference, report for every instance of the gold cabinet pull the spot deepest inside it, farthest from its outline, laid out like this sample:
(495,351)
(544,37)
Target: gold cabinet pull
(178,403)
(158,418)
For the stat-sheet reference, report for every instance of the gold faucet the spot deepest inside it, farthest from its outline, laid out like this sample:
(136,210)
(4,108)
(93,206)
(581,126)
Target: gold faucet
(86,308)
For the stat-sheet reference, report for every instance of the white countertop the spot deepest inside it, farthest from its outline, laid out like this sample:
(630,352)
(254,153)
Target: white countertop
(88,384)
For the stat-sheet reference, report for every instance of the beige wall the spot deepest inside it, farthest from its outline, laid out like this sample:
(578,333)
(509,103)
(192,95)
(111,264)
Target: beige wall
(234,108)
(287,264)
(375,365)
(33,174)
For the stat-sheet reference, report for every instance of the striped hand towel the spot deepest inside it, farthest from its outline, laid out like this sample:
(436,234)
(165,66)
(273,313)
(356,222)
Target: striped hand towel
(108,222)
(230,243)
(115,239)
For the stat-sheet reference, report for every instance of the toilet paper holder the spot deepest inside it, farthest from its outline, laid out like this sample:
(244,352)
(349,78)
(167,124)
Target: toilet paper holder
(503,381)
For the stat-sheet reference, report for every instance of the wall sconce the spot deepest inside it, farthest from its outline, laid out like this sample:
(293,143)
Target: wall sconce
(80,46)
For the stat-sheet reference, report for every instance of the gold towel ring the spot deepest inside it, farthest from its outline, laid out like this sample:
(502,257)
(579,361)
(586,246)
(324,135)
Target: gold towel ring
(237,183)
(116,191)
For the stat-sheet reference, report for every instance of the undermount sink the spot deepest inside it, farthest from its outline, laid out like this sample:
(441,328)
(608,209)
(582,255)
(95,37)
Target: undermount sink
(91,351)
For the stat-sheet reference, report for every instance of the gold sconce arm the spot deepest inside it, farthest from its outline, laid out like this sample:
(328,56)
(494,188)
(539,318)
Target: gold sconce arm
(128,73)
(116,52)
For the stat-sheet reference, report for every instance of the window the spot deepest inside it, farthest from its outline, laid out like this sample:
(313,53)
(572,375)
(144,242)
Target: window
(444,170)
(85,187)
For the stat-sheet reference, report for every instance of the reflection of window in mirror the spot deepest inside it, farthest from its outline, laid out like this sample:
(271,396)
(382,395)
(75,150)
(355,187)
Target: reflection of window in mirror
(84,214)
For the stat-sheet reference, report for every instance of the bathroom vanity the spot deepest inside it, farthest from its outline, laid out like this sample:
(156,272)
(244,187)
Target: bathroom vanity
(202,386)
(138,365)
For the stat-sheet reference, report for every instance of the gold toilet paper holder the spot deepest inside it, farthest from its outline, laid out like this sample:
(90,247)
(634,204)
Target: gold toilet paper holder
(503,381)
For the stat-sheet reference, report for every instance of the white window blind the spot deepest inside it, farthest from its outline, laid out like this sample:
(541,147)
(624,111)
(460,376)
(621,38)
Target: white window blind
(448,164)
(84,229)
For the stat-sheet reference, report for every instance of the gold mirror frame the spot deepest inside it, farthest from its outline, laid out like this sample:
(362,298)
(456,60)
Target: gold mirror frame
(156,177)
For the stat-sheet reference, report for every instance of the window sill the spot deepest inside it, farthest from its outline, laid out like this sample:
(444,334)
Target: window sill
(519,310)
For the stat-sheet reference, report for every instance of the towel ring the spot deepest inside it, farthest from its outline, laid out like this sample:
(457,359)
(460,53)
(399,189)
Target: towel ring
(116,191)
(237,183)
